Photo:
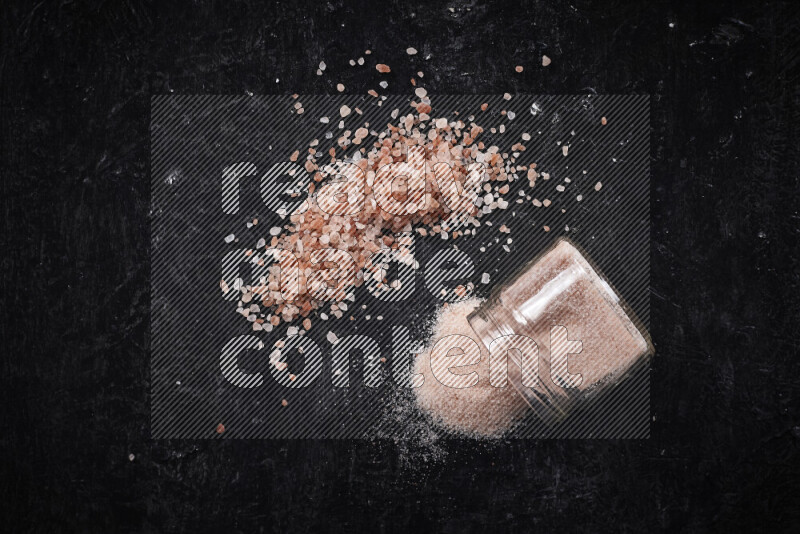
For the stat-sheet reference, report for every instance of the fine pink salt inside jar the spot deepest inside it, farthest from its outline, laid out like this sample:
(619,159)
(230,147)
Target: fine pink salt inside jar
(559,290)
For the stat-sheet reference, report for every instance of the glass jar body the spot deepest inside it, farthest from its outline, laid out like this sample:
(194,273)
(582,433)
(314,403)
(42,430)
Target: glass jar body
(558,332)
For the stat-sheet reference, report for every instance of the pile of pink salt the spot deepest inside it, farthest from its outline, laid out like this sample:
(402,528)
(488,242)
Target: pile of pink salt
(481,174)
(477,411)
(333,225)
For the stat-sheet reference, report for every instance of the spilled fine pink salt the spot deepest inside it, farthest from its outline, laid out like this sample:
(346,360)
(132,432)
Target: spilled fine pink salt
(477,411)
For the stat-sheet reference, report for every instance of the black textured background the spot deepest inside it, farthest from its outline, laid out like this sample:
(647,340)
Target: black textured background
(76,84)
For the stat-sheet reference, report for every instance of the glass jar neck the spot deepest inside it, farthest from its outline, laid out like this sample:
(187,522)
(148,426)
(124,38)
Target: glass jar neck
(492,321)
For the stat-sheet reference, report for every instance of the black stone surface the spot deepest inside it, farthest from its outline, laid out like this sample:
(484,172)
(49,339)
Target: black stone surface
(76,83)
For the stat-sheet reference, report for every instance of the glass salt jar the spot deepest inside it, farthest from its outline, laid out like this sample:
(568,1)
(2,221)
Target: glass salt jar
(558,332)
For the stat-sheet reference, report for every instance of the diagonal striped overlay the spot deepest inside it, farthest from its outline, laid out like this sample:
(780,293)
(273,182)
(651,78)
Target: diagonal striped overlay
(220,162)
